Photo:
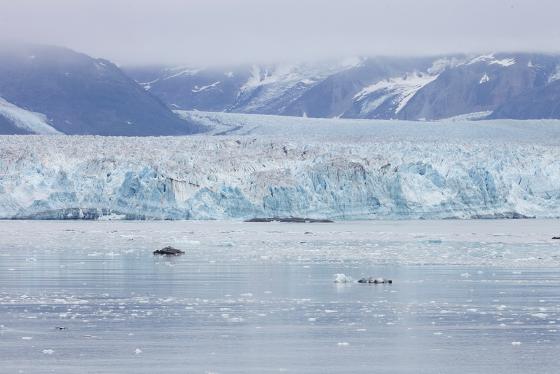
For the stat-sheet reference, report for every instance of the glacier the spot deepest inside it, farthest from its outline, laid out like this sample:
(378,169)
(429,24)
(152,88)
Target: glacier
(464,170)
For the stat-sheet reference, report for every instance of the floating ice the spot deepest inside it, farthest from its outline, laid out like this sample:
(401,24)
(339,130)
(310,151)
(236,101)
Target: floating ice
(342,278)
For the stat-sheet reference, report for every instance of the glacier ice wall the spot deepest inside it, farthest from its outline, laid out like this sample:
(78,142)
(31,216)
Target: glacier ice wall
(61,177)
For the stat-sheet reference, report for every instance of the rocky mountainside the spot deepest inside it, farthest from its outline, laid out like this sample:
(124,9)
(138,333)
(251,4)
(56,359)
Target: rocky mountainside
(46,89)
(505,85)
(52,90)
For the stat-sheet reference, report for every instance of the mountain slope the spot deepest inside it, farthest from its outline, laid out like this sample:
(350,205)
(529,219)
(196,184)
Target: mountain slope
(323,89)
(381,88)
(479,85)
(184,87)
(77,94)
(542,102)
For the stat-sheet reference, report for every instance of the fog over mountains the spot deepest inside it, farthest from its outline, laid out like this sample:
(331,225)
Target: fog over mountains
(50,89)
(513,85)
(47,90)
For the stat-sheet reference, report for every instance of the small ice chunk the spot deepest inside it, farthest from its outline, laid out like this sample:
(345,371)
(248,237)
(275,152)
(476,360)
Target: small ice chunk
(137,351)
(48,351)
(342,278)
(515,343)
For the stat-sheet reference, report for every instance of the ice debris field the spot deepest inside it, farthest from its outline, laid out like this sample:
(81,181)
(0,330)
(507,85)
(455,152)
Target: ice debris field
(467,296)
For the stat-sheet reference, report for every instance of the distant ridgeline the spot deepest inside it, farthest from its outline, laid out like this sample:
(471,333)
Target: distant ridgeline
(47,90)
(512,85)
(50,90)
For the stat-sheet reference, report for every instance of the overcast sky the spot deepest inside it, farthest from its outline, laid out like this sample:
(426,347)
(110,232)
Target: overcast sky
(233,31)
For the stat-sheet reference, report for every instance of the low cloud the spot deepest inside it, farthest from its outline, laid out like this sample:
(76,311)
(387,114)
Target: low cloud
(223,32)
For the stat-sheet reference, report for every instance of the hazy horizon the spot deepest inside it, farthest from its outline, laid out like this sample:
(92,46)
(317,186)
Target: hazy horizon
(220,32)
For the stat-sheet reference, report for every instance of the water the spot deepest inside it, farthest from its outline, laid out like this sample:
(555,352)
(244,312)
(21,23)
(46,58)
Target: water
(467,297)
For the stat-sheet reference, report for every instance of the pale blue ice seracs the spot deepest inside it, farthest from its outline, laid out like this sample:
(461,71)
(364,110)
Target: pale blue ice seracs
(240,178)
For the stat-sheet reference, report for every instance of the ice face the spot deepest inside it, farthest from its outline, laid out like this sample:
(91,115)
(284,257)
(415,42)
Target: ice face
(243,177)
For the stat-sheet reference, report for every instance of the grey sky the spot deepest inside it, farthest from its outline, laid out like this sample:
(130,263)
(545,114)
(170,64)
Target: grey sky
(233,31)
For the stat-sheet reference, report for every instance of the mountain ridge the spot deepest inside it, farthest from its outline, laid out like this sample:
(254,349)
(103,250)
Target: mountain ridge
(51,90)
(76,94)
(411,88)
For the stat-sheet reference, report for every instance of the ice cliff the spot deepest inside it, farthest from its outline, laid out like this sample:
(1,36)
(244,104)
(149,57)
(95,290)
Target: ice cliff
(61,177)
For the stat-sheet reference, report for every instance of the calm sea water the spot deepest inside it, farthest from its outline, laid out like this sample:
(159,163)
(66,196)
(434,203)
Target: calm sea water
(467,297)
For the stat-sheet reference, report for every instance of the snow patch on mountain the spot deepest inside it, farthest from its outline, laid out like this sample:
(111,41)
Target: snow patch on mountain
(504,62)
(197,89)
(484,79)
(490,59)
(267,84)
(399,90)
(181,71)
(171,73)
(555,76)
(36,123)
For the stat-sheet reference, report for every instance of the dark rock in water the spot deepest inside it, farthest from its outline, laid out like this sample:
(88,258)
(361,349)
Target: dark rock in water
(289,219)
(169,251)
(556,238)
(375,280)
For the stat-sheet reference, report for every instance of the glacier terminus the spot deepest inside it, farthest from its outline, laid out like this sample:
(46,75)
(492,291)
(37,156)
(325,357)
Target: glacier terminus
(317,170)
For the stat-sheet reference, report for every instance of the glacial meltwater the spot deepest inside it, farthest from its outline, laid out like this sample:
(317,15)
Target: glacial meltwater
(467,297)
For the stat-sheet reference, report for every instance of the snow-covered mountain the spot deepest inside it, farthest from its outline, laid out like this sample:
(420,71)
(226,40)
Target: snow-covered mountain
(381,88)
(483,84)
(337,169)
(324,89)
(46,90)
(49,90)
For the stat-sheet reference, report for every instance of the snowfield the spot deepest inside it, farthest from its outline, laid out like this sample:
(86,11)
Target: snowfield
(363,170)
(36,123)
